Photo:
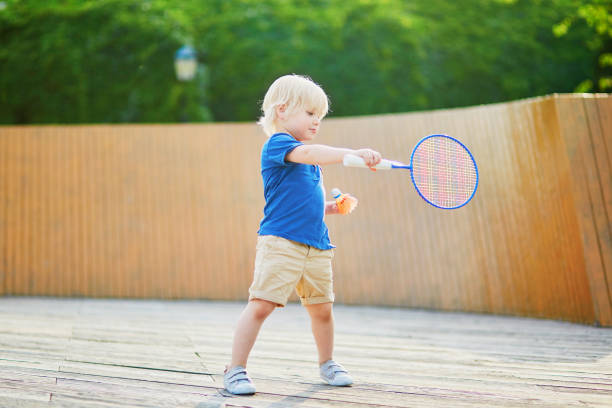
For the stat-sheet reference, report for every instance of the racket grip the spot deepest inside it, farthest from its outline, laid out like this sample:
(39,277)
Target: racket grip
(346,203)
(350,160)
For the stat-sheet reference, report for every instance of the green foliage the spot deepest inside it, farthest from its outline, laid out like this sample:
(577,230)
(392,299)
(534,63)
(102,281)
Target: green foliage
(102,61)
(362,53)
(75,61)
(597,16)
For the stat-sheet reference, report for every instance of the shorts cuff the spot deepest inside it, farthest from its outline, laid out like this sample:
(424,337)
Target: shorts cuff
(317,300)
(265,296)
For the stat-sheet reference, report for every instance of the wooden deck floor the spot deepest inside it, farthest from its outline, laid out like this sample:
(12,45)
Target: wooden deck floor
(124,353)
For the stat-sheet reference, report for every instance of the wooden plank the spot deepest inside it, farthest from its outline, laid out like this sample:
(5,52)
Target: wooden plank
(26,390)
(586,190)
(135,373)
(153,394)
(604,106)
(601,140)
(4,207)
(28,400)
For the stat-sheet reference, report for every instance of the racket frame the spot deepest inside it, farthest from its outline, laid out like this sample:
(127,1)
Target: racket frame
(356,161)
(412,171)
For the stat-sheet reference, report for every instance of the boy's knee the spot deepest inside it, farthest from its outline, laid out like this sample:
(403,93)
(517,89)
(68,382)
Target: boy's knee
(262,308)
(321,312)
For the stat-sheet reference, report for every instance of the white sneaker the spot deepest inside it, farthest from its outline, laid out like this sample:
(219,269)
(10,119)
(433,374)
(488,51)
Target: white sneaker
(237,381)
(334,374)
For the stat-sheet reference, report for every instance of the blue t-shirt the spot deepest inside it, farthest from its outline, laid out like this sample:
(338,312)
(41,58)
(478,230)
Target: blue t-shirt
(295,199)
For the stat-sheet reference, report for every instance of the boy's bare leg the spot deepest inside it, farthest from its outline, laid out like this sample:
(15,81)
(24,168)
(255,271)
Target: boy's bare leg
(322,323)
(248,326)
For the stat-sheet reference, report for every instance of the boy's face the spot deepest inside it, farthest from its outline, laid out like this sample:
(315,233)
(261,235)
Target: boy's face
(302,124)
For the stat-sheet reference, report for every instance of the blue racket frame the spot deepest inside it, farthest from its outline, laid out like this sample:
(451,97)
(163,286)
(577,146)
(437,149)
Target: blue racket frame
(412,174)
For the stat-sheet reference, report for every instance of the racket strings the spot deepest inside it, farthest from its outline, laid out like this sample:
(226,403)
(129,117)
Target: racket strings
(444,172)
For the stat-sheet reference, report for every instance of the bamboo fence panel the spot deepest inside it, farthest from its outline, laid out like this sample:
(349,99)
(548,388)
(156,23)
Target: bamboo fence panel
(171,211)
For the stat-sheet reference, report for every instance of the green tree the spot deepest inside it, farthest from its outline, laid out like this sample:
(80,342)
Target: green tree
(389,56)
(102,61)
(362,52)
(75,61)
(483,51)
(597,16)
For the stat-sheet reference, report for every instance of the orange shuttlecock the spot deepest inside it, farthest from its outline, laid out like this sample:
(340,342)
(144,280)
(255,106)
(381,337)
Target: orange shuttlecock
(346,203)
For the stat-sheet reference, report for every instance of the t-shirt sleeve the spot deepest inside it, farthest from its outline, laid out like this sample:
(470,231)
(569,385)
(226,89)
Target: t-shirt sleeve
(277,148)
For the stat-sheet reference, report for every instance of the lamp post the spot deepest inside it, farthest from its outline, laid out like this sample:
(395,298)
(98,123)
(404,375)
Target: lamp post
(185,66)
(185,63)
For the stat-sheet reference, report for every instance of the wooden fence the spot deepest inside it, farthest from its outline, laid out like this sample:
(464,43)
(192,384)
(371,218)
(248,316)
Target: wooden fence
(172,211)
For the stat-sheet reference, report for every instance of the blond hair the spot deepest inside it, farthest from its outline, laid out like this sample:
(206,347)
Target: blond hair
(296,92)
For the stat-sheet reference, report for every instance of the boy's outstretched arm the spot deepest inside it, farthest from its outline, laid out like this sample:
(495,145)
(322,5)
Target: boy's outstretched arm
(322,155)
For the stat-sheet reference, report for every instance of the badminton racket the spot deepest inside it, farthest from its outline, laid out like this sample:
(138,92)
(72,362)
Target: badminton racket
(442,169)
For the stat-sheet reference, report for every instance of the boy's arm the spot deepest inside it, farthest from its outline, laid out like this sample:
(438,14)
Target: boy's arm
(322,155)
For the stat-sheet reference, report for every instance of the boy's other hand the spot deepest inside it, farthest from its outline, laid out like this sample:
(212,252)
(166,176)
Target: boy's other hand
(346,203)
(370,157)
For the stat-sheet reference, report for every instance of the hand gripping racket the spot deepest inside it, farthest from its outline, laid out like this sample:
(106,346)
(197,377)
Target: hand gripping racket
(442,169)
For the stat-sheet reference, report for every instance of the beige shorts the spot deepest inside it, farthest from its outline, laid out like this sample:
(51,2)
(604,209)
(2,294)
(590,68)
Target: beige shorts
(282,265)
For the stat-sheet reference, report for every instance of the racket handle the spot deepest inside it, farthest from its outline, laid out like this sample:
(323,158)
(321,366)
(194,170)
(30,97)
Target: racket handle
(350,160)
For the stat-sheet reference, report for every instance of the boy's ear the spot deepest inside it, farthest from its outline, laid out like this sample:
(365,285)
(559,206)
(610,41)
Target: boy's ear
(280,111)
